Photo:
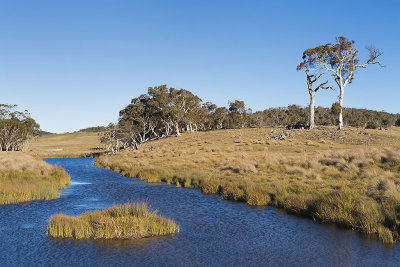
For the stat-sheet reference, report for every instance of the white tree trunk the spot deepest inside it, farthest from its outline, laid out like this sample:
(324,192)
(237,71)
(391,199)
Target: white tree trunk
(340,123)
(312,109)
(177,129)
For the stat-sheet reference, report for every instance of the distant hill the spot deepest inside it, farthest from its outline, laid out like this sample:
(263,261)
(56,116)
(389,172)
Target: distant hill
(45,133)
(95,129)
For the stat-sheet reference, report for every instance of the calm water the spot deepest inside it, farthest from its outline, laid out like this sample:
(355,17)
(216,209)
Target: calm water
(214,232)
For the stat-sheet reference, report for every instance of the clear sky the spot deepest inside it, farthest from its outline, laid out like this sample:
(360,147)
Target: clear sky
(76,63)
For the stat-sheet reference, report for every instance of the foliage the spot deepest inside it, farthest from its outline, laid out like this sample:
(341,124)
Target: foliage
(341,60)
(17,129)
(96,129)
(295,116)
(164,112)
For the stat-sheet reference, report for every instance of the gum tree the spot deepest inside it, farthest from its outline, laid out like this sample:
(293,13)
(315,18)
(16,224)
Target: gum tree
(311,79)
(17,128)
(341,60)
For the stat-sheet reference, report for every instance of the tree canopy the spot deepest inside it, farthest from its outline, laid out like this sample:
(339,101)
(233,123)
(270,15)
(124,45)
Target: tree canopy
(17,128)
(164,111)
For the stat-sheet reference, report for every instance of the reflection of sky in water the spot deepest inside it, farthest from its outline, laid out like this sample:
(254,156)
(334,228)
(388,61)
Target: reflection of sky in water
(78,183)
(214,232)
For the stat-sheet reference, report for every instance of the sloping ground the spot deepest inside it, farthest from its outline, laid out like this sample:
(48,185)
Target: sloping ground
(130,221)
(24,178)
(350,178)
(66,145)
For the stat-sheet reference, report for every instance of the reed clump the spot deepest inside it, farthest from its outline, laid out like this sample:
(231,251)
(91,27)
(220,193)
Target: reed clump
(349,179)
(128,221)
(24,178)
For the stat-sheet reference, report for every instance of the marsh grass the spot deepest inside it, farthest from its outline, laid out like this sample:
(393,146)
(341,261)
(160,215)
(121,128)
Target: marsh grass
(129,221)
(24,178)
(348,179)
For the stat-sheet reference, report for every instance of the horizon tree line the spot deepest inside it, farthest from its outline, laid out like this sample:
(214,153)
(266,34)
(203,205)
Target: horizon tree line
(164,112)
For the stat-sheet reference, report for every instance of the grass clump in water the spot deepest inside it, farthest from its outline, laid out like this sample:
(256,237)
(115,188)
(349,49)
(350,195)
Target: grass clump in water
(129,221)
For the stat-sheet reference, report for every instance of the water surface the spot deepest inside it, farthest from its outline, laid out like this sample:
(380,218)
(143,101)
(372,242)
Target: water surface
(214,232)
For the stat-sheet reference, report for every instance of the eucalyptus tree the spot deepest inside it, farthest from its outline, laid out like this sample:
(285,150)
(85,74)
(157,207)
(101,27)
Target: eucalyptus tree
(160,113)
(311,79)
(17,129)
(220,116)
(239,114)
(341,60)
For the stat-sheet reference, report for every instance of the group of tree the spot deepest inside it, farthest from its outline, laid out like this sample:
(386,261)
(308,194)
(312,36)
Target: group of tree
(164,112)
(17,129)
(95,129)
(295,116)
(341,60)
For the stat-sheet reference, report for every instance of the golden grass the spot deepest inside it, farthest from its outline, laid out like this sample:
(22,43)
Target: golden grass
(130,221)
(347,177)
(66,145)
(24,178)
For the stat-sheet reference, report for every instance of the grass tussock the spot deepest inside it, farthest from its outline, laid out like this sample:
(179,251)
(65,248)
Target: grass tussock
(24,178)
(130,221)
(348,179)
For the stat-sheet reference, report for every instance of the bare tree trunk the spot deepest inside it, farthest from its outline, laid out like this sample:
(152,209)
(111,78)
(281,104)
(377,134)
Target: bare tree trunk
(340,125)
(312,108)
(177,129)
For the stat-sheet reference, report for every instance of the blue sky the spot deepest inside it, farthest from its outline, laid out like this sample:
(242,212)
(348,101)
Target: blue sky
(76,63)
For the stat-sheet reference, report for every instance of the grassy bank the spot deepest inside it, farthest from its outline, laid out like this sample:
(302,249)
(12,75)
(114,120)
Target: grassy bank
(347,178)
(68,145)
(24,178)
(130,221)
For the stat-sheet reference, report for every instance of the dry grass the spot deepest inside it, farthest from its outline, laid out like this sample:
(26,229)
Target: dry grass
(66,145)
(346,177)
(24,178)
(130,221)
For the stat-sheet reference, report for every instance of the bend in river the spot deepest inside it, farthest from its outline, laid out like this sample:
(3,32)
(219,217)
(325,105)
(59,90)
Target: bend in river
(214,232)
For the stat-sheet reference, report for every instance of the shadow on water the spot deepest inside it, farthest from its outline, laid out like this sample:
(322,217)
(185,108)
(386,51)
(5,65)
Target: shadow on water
(214,232)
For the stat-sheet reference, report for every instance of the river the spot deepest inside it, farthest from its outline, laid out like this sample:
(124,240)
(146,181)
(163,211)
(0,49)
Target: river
(214,232)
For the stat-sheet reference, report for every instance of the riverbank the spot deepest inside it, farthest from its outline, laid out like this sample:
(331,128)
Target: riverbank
(130,221)
(24,178)
(347,178)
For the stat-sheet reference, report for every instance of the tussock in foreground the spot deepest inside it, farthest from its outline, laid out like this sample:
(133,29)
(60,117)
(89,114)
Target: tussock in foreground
(347,178)
(130,221)
(24,178)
